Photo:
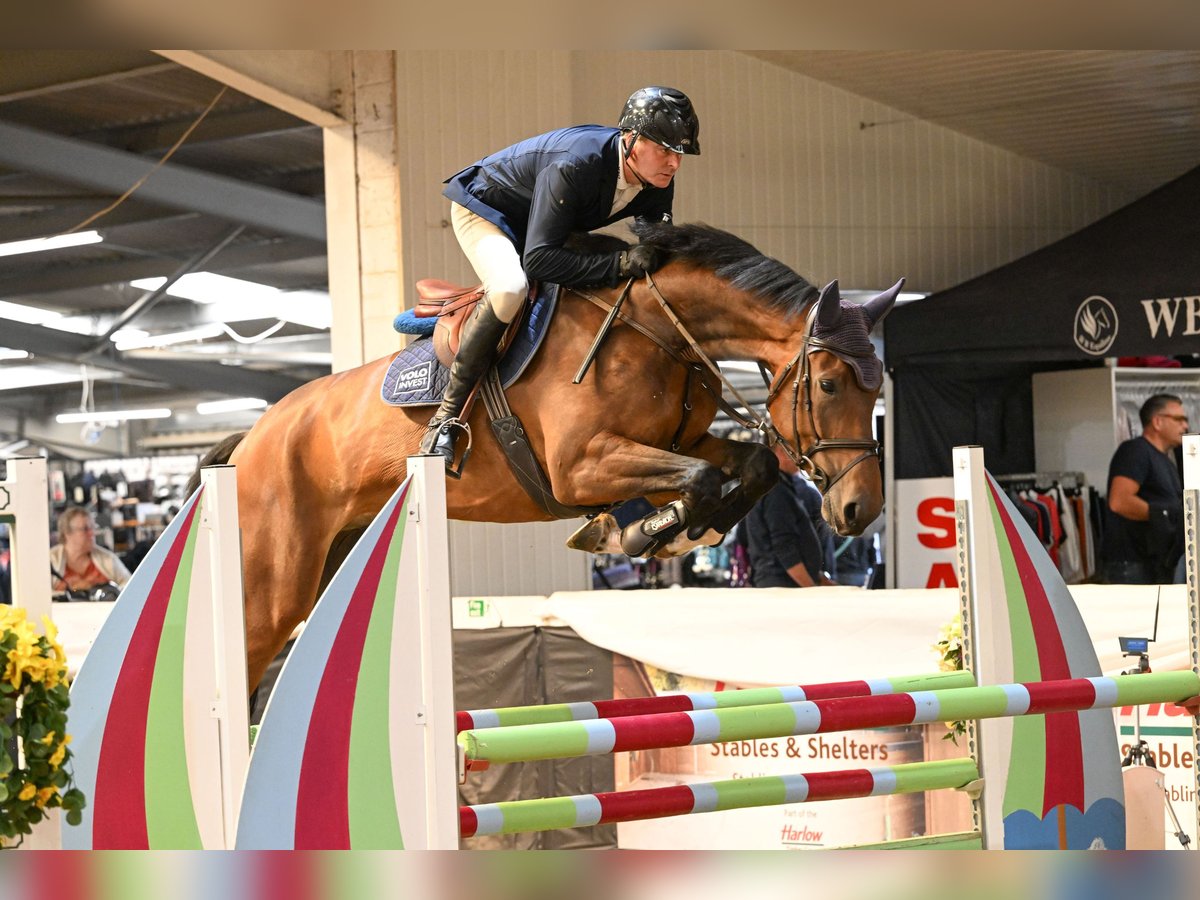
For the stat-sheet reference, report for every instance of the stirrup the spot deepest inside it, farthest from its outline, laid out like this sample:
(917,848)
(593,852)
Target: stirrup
(445,431)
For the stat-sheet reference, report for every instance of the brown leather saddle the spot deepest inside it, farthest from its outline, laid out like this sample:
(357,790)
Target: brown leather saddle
(452,305)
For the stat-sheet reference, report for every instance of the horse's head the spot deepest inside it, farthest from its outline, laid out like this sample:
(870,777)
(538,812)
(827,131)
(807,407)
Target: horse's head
(740,304)
(823,406)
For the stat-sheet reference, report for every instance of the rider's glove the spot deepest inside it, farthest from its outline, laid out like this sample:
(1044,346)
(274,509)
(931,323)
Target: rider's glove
(639,260)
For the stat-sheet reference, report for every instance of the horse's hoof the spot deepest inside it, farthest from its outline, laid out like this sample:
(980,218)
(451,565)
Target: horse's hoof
(600,534)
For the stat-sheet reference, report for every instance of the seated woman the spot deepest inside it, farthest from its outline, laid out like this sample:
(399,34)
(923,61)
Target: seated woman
(76,563)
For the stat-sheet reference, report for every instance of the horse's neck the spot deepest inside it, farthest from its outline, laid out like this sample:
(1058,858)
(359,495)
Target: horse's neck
(727,323)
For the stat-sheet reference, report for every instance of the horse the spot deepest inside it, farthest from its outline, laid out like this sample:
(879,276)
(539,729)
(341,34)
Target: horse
(322,461)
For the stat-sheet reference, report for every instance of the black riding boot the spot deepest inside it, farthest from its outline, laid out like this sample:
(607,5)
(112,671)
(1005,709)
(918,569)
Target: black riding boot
(476,353)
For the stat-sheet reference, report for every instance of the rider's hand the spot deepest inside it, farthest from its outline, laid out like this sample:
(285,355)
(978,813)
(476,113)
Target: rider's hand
(639,260)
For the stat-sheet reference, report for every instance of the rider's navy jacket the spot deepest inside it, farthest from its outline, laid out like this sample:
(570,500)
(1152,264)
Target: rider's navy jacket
(543,189)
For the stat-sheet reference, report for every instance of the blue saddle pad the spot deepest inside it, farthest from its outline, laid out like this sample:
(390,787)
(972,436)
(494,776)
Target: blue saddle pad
(416,378)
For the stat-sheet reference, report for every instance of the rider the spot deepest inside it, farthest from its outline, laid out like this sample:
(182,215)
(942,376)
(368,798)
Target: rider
(513,212)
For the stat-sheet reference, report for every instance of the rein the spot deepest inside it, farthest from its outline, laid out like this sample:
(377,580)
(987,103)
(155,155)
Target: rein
(752,418)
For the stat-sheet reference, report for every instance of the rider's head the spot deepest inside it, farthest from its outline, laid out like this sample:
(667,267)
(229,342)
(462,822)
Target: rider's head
(658,126)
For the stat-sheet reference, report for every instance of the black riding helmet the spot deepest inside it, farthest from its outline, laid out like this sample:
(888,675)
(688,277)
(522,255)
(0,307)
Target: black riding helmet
(665,116)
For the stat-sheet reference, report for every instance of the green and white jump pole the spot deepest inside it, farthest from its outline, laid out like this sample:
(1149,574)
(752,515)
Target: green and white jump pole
(565,740)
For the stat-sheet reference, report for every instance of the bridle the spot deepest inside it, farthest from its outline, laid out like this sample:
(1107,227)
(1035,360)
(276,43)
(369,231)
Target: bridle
(752,418)
(803,376)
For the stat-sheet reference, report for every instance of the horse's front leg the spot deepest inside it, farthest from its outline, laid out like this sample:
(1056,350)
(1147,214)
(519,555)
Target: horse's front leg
(753,466)
(616,468)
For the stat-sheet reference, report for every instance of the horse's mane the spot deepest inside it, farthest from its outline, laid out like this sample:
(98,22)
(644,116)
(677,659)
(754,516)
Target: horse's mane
(731,258)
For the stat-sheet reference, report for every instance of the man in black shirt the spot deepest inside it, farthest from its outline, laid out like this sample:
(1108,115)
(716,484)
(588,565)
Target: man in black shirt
(784,548)
(1143,538)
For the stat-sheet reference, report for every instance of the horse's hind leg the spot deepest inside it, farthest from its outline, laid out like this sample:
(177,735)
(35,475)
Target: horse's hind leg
(282,569)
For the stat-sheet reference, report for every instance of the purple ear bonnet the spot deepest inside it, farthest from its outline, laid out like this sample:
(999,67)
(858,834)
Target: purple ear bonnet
(852,335)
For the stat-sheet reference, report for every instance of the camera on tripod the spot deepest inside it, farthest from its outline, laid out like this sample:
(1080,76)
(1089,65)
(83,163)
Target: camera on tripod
(1139,647)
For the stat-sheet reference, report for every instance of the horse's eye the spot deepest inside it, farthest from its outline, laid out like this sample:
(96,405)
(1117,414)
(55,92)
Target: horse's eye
(828,386)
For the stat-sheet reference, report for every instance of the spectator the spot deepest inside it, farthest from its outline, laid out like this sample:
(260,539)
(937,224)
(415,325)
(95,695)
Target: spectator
(811,500)
(1143,539)
(76,563)
(784,548)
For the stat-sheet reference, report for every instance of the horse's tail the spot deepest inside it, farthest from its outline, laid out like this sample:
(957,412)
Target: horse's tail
(217,456)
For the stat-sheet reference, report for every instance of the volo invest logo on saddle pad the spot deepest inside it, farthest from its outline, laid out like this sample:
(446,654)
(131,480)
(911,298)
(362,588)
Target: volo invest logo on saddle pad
(1095,325)
(418,378)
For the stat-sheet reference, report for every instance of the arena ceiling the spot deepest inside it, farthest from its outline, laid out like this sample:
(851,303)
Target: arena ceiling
(242,196)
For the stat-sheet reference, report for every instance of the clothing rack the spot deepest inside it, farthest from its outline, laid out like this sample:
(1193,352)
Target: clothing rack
(1064,513)
(1032,479)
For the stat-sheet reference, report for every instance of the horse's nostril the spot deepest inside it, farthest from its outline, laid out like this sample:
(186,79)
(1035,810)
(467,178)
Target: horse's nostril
(850,513)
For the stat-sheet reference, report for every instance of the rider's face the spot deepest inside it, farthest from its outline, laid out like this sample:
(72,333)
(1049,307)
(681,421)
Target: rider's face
(653,162)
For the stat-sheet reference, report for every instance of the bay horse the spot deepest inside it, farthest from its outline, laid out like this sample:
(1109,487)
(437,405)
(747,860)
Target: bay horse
(324,459)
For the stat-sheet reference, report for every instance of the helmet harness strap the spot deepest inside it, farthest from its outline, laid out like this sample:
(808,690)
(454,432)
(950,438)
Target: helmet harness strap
(626,150)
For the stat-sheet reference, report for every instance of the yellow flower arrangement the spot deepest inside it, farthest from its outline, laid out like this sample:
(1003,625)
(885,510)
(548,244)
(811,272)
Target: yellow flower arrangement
(33,713)
(949,651)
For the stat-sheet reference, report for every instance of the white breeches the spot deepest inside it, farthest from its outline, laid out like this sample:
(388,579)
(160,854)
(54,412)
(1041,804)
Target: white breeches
(495,260)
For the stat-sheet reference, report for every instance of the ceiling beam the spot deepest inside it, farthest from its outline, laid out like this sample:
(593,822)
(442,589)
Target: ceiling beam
(305,83)
(61,216)
(231,259)
(37,73)
(149,137)
(81,162)
(235,381)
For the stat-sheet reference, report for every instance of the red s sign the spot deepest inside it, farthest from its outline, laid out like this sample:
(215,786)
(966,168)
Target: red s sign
(936,514)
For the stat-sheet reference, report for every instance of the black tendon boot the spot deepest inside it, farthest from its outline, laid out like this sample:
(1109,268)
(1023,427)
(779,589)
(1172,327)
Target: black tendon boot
(476,353)
(648,535)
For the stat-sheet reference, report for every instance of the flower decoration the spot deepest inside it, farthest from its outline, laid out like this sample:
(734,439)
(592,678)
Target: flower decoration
(949,651)
(33,715)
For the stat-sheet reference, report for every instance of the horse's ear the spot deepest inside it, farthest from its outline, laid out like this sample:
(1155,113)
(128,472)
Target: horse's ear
(829,306)
(880,305)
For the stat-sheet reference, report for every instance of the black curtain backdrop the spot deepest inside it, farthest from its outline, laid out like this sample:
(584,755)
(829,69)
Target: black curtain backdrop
(938,408)
(961,360)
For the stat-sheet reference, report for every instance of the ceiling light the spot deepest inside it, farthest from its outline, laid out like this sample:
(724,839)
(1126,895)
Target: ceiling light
(32,315)
(310,308)
(238,300)
(27,376)
(134,339)
(209,287)
(8,353)
(234,405)
(51,243)
(111,415)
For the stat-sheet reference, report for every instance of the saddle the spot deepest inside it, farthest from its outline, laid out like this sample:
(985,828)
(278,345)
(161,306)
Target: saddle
(451,305)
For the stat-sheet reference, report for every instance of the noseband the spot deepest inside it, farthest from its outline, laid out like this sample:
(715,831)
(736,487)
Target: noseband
(803,376)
